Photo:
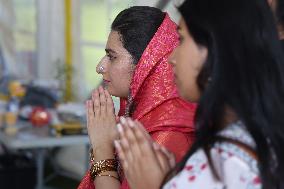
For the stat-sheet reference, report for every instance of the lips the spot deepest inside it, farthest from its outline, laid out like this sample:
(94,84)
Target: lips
(106,81)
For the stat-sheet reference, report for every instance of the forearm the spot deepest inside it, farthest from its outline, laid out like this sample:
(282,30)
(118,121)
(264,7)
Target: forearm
(107,180)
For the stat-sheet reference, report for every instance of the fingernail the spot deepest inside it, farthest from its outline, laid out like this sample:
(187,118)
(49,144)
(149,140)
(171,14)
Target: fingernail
(119,128)
(116,144)
(164,150)
(155,146)
(131,123)
(122,120)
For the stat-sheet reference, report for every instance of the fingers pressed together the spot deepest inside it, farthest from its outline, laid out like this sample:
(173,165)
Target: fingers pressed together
(133,141)
(100,104)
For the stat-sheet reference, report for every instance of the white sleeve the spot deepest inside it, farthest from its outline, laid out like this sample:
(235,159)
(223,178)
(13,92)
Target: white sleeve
(195,175)
(234,173)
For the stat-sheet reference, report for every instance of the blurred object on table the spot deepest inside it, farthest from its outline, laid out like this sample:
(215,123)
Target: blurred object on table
(40,117)
(71,119)
(15,92)
(40,96)
(16,89)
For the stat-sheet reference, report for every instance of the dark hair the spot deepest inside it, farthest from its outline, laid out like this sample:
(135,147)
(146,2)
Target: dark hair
(280,12)
(137,26)
(245,64)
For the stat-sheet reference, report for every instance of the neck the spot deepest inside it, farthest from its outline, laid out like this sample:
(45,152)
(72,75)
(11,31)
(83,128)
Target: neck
(229,117)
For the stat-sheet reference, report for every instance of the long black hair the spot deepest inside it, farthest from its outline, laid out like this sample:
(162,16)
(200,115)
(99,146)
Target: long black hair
(280,12)
(246,67)
(137,26)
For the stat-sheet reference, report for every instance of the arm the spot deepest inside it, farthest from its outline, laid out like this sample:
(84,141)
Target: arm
(144,164)
(101,123)
(106,182)
(101,126)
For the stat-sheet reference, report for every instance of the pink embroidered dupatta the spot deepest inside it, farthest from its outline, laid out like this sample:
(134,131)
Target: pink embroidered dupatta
(167,117)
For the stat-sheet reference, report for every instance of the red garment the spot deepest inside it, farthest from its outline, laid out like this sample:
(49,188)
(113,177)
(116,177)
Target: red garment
(167,118)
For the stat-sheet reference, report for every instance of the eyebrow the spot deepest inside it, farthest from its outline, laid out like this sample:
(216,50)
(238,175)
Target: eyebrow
(110,51)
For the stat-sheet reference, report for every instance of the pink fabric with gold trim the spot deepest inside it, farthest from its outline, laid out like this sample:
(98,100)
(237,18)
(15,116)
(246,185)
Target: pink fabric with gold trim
(155,97)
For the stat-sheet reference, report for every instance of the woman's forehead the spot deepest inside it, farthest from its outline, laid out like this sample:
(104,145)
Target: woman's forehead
(114,43)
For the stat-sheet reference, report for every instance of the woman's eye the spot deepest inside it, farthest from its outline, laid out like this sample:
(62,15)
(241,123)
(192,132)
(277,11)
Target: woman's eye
(110,57)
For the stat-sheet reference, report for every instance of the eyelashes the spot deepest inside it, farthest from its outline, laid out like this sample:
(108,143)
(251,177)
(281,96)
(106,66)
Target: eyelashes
(110,57)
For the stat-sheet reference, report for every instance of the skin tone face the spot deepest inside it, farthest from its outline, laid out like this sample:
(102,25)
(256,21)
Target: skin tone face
(187,60)
(118,67)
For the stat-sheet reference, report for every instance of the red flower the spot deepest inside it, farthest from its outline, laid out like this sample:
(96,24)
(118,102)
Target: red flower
(188,167)
(191,178)
(203,166)
(256,180)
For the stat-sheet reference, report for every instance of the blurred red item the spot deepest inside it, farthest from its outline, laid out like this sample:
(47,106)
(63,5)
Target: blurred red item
(39,116)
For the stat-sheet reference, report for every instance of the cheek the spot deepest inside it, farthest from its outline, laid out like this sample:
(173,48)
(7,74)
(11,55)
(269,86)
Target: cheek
(121,79)
(190,90)
(188,70)
(119,76)
(187,80)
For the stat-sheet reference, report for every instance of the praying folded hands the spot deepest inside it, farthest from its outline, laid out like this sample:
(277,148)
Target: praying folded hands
(101,122)
(145,163)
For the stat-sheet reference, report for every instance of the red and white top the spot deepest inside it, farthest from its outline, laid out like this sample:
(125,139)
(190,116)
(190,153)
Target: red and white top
(235,168)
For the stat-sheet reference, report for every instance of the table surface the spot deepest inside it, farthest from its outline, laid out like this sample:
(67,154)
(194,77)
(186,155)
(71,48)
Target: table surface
(30,138)
(39,140)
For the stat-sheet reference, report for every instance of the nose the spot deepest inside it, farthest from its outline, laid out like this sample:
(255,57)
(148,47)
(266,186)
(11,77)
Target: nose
(101,67)
(172,59)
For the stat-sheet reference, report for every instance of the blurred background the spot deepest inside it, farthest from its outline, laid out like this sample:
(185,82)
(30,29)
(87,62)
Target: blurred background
(38,36)
(49,50)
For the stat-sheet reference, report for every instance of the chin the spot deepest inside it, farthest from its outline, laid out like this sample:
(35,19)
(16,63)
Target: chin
(109,90)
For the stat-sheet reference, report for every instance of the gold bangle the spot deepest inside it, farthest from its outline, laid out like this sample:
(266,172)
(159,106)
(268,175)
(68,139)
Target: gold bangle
(108,176)
(103,166)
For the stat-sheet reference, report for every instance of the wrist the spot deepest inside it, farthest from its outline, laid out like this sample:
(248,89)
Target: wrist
(106,167)
(100,153)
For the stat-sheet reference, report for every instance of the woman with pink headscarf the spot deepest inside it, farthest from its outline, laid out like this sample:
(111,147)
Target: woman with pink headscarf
(135,68)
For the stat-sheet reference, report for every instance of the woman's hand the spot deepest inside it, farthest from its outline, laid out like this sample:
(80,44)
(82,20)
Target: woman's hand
(101,122)
(144,162)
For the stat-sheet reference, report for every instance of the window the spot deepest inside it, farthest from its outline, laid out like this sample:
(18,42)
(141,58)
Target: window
(96,18)
(25,37)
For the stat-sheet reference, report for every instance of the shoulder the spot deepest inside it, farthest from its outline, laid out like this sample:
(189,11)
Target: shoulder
(233,172)
(230,166)
(234,166)
(195,174)
(233,163)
